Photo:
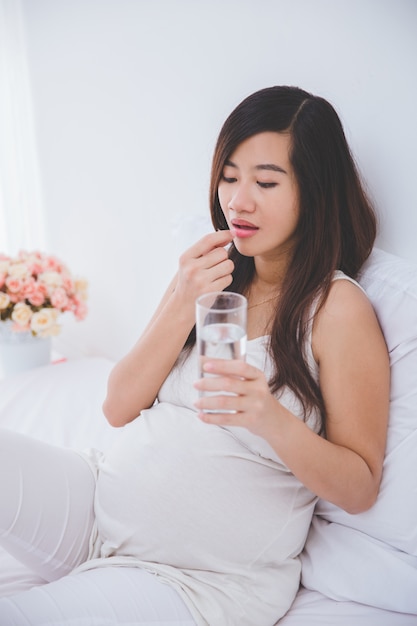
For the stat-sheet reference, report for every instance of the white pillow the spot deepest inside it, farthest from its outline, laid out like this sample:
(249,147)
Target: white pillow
(60,403)
(372,557)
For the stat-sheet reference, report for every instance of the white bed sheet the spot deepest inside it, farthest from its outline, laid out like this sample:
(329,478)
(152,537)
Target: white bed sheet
(310,608)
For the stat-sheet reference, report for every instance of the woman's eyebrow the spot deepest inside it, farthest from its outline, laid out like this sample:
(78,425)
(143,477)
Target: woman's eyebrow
(271,167)
(262,166)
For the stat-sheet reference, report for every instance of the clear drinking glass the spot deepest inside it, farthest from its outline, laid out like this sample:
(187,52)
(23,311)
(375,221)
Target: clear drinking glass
(221,328)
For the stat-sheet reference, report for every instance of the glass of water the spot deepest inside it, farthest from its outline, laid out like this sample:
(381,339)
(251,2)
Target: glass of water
(221,328)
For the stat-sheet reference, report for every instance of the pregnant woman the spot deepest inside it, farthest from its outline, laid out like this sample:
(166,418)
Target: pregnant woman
(198,514)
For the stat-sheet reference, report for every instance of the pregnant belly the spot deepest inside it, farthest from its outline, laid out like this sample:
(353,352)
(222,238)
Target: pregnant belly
(177,491)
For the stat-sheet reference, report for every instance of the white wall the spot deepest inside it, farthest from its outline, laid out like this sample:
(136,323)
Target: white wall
(128,99)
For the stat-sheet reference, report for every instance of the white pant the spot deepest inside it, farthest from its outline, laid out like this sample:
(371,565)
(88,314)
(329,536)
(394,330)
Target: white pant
(46,519)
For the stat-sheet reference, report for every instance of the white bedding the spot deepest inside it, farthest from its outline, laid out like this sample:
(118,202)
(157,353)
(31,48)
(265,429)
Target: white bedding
(360,570)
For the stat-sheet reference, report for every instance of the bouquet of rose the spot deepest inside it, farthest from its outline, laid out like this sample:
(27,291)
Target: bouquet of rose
(35,289)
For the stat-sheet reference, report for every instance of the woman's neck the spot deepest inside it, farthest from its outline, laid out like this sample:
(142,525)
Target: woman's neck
(269,276)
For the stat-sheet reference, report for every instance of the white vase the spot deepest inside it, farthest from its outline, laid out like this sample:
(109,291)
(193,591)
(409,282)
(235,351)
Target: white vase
(21,351)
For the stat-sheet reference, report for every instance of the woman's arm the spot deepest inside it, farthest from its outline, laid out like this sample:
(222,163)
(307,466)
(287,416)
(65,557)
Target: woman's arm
(355,382)
(135,381)
(349,346)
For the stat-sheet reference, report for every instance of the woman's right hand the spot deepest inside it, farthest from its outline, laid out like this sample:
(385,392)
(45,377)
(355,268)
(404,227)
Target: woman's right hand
(135,381)
(205,267)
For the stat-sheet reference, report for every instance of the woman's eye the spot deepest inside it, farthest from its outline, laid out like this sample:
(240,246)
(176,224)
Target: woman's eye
(267,185)
(228,179)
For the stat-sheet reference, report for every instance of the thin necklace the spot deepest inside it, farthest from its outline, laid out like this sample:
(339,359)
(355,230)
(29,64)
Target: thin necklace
(252,306)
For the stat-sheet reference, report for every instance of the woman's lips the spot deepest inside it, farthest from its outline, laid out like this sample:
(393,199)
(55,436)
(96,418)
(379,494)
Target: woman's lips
(242,228)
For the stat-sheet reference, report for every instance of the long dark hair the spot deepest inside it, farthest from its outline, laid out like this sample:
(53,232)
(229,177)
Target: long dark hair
(336,228)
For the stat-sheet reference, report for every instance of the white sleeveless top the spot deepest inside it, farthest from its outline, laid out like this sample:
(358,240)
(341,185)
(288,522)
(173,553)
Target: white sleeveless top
(211,510)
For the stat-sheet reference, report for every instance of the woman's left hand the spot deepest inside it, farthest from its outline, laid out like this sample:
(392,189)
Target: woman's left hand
(248,402)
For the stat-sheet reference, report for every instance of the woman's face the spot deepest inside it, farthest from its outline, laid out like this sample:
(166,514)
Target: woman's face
(258,195)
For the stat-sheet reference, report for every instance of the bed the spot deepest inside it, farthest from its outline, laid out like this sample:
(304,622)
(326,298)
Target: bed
(356,569)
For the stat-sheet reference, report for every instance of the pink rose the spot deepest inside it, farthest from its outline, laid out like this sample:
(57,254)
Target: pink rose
(28,286)
(80,311)
(36,297)
(59,298)
(68,284)
(16,297)
(54,264)
(36,267)
(14,284)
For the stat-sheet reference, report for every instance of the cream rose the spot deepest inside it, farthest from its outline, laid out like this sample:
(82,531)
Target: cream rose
(52,331)
(43,322)
(81,284)
(51,279)
(4,266)
(4,300)
(18,270)
(21,314)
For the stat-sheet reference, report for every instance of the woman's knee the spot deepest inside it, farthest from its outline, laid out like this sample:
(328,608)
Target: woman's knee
(47,496)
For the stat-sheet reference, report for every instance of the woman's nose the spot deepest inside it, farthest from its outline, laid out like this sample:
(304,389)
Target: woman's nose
(242,199)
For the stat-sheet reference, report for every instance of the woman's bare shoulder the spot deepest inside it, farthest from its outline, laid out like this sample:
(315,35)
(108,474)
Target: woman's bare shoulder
(346,297)
(346,315)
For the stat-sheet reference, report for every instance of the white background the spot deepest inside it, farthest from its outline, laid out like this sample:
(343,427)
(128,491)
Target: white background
(128,97)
